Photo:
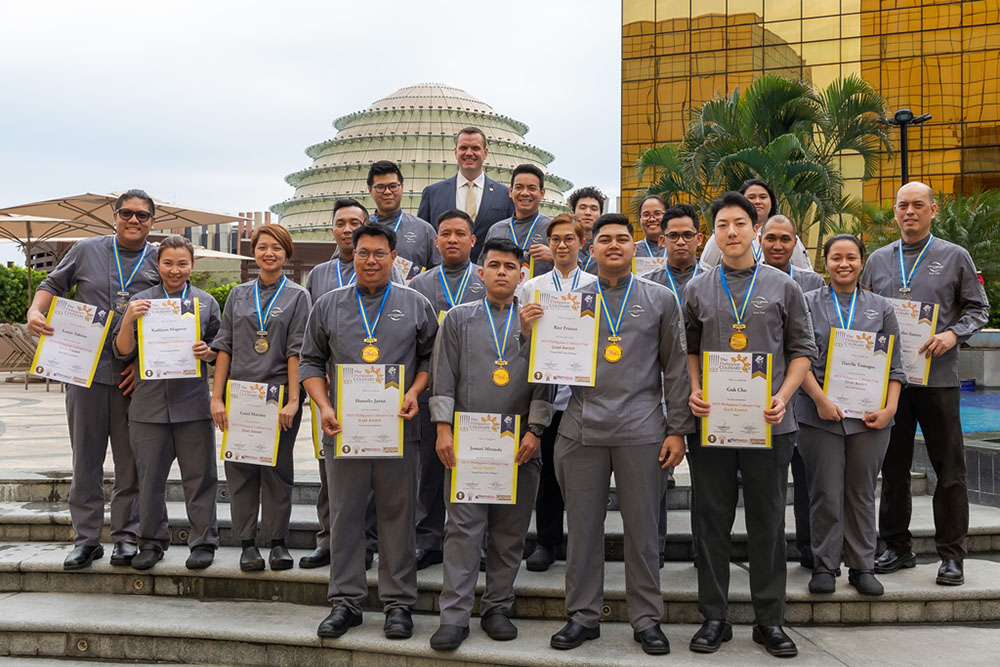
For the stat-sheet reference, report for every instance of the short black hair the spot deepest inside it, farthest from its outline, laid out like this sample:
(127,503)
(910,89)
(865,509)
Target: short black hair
(381,168)
(612,219)
(374,229)
(588,192)
(747,184)
(452,213)
(348,203)
(681,211)
(777,217)
(503,245)
(135,193)
(527,169)
(731,198)
(843,237)
(663,202)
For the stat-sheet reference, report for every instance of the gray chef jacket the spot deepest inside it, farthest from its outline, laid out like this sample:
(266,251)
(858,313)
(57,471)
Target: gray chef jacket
(681,278)
(323,277)
(90,265)
(501,230)
(428,283)
(644,249)
(805,279)
(335,335)
(624,407)
(946,276)
(414,240)
(776,320)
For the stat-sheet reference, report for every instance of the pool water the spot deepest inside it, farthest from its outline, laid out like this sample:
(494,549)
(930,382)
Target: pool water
(980,410)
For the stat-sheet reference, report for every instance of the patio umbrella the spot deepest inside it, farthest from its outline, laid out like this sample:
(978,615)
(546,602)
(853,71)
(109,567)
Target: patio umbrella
(26,230)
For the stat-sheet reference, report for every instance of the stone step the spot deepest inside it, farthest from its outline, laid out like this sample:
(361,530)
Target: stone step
(911,595)
(50,522)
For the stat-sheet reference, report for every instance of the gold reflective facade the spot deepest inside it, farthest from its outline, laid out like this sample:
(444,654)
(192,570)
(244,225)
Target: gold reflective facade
(941,58)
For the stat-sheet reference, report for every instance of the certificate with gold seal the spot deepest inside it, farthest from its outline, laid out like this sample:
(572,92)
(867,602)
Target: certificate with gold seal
(738,386)
(71,354)
(643,265)
(857,370)
(564,339)
(166,336)
(917,323)
(485,446)
(369,398)
(252,415)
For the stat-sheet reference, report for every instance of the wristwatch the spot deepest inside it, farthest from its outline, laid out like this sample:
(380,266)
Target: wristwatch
(536,430)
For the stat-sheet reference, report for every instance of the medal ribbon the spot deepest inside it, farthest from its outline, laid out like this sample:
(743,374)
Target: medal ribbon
(263,315)
(340,276)
(743,309)
(650,250)
(558,284)
(757,252)
(906,278)
(395,227)
(183,294)
(614,326)
(791,271)
(118,263)
(840,312)
(460,292)
(370,329)
(493,328)
(590,259)
(523,245)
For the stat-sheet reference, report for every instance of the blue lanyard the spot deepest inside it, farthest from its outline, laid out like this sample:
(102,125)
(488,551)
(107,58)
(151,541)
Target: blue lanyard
(743,309)
(523,244)
(500,348)
(370,328)
(840,312)
(757,252)
(650,250)
(184,294)
(395,227)
(906,278)
(340,276)
(460,292)
(614,326)
(118,263)
(791,271)
(558,283)
(264,314)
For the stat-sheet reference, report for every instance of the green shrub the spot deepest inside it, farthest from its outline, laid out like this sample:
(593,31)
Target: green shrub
(14,296)
(221,293)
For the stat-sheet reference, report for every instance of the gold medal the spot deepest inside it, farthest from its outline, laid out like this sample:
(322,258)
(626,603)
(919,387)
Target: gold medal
(613,353)
(738,341)
(260,346)
(121,305)
(370,353)
(500,376)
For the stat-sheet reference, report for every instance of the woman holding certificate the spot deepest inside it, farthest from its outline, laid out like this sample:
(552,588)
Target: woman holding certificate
(259,342)
(846,415)
(170,418)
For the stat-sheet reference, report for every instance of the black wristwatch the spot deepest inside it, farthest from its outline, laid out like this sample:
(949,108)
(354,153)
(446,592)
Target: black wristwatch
(536,430)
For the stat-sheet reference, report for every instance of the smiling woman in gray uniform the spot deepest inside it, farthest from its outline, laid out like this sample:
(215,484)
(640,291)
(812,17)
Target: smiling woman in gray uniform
(262,327)
(843,456)
(170,419)
(106,271)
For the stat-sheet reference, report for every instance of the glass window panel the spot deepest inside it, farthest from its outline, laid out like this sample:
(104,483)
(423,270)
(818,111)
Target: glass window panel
(981,37)
(823,76)
(777,10)
(942,16)
(942,84)
(742,36)
(785,31)
(709,63)
(637,10)
(850,25)
(847,69)
(811,8)
(871,48)
(901,20)
(870,22)
(821,53)
(745,10)
(667,9)
(942,41)
(817,29)
(781,56)
(743,60)
(673,42)
(740,80)
(671,66)
(981,79)
(636,69)
(638,46)
(704,88)
(900,46)
(980,12)
(708,40)
(852,6)
(850,50)
(942,136)
(899,4)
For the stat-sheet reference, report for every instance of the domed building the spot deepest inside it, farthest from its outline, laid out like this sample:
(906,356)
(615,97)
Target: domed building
(414,127)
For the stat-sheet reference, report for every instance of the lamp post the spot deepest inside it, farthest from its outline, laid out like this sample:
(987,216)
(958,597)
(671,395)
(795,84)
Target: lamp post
(903,119)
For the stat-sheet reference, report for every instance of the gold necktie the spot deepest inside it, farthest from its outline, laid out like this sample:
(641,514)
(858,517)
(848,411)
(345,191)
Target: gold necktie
(470,199)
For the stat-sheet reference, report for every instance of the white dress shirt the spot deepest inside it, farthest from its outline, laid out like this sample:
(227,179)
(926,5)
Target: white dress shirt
(479,183)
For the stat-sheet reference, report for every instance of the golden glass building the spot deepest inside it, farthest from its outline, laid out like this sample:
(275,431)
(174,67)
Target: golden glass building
(936,57)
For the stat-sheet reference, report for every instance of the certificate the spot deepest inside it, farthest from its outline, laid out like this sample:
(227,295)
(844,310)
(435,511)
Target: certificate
(485,446)
(527,270)
(167,333)
(564,339)
(252,414)
(71,354)
(917,323)
(317,431)
(738,385)
(857,370)
(643,265)
(406,268)
(369,398)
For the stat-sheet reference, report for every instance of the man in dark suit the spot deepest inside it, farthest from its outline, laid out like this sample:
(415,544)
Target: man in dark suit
(470,190)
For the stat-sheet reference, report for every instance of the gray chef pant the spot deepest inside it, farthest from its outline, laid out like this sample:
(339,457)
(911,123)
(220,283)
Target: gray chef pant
(765,482)
(323,515)
(584,476)
(266,490)
(394,482)
(430,485)
(463,536)
(155,446)
(94,415)
(842,471)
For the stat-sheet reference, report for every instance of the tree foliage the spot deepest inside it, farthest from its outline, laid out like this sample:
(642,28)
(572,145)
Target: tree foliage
(14,295)
(221,293)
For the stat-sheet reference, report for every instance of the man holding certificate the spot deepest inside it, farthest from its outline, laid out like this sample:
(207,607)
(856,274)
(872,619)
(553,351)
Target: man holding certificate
(922,276)
(381,330)
(743,317)
(481,386)
(106,272)
(845,416)
(619,423)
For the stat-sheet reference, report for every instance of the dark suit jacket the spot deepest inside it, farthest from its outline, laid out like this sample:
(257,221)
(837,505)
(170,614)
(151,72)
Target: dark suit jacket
(495,206)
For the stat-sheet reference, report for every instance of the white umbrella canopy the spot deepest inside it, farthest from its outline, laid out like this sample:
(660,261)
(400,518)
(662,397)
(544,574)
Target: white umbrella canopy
(24,229)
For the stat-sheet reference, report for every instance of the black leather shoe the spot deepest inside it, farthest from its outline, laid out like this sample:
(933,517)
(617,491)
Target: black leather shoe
(710,636)
(199,558)
(280,559)
(398,624)
(340,620)
(540,559)
(775,641)
(251,560)
(369,559)
(428,557)
(653,641)
(663,559)
(951,573)
(865,583)
(123,553)
(82,556)
(572,635)
(498,627)
(822,582)
(147,558)
(318,557)
(449,637)
(891,561)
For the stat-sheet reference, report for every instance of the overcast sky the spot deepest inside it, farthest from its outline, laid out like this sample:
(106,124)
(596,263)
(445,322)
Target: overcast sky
(211,104)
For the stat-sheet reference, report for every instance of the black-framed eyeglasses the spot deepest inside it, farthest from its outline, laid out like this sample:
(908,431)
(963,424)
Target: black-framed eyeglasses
(363,255)
(391,187)
(128,214)
(687,236)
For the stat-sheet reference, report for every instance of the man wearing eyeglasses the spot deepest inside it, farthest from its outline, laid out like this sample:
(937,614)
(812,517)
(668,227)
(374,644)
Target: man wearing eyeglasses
(106,272)
(414,237)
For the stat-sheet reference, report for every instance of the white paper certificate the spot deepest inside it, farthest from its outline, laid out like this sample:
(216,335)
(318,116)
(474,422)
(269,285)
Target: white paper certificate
(252,413)
(316,421)
(369,398)
(564,339)
(643,265)
(167,333)
(917,323)
(485,446)
(406,268)
(738,385)
(71,354)
(857,370)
